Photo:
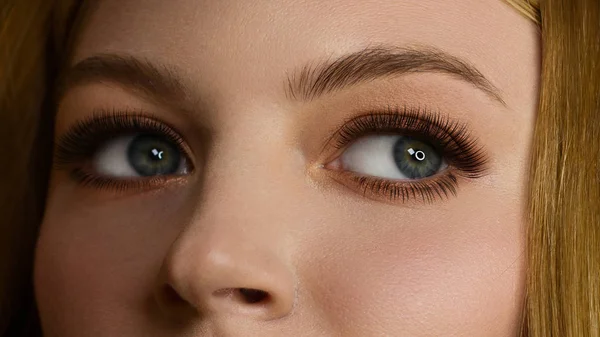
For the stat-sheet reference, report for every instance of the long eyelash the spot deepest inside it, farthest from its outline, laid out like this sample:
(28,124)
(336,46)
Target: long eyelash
(83,139)
(86,178)
(428,190)
(453,139)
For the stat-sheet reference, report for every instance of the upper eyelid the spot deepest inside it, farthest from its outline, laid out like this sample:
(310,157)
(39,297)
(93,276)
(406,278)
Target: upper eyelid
(461,143)
(390,110)
(423,114)
(68,146)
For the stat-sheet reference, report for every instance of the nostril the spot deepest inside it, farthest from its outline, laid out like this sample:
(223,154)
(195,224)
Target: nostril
(170,296)
(172,305)
(253,295)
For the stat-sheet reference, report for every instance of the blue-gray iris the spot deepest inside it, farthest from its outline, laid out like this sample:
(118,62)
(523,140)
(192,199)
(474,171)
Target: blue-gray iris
(416,159)
(151,155)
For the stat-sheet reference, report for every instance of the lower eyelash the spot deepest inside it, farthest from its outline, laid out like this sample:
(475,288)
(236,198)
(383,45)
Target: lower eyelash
(428,190)
(85,179)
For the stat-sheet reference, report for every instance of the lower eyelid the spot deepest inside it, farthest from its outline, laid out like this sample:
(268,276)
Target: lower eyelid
(438,187)
(124,187)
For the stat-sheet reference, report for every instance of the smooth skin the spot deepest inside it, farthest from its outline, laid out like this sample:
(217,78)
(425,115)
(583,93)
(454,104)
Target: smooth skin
(261,211)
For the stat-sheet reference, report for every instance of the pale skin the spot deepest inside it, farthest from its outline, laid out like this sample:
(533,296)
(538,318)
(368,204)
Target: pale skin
(263,207)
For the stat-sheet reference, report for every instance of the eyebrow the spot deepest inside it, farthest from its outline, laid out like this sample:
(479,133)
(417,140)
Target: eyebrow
(157,82)
(163,84)
(313,81)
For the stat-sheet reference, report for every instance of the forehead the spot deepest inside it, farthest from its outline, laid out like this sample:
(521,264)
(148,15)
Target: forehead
(230,41)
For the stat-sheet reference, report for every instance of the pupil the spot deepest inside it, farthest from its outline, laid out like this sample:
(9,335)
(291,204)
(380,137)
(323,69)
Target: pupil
(152,155)
(156,154)
(417,154)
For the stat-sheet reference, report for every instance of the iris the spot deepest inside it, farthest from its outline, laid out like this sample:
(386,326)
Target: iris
(416,159)
(151,155)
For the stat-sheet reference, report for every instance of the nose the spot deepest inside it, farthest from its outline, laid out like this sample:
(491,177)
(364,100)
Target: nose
(225,270)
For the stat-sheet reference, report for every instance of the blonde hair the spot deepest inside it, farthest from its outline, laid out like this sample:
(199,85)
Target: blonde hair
(563,237)
(563,280)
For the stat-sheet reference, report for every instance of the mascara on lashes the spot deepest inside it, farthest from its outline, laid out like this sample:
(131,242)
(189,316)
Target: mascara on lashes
(451,138)
(82,141)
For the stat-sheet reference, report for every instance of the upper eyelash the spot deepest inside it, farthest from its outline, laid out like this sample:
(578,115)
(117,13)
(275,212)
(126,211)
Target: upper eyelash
(450,137)
(86,136)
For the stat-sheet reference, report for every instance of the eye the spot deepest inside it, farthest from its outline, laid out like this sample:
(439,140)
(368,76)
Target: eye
(140,155)
(405,153)
(123,151)
(392,157)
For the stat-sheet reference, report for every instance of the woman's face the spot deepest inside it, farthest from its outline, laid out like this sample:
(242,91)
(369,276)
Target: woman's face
(291,168)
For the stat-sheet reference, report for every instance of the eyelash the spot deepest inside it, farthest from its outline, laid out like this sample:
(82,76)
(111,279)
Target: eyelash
(84,139)
(452,139)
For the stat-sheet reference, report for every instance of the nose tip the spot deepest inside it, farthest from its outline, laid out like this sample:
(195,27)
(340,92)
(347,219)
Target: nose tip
(252,285)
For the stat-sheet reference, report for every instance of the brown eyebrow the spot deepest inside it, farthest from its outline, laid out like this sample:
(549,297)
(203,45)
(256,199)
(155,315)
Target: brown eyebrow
(157,82)
(163,84)
(371,63)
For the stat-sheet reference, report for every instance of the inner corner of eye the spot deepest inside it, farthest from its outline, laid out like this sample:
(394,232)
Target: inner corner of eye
(334,165)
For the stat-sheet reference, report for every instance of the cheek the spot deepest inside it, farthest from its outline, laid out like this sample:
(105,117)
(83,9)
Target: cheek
(454,269)
(450,268)
(97,262)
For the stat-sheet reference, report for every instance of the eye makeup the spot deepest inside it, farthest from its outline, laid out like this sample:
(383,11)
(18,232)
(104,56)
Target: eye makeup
(76,149)
(451,139)
(462,156)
